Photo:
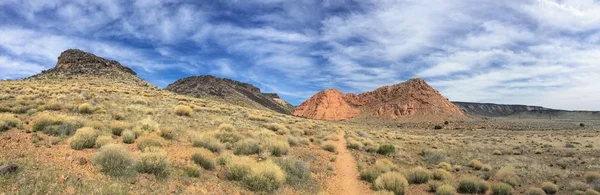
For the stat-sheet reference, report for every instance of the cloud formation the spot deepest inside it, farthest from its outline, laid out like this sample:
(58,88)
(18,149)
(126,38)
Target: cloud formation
(538,52)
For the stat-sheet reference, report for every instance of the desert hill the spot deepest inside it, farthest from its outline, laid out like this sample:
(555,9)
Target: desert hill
(413,99)
(231,91)
(496,110)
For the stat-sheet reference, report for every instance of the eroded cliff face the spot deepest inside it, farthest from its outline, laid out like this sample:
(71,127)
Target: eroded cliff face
(496,110)
(327,105)
(411,99)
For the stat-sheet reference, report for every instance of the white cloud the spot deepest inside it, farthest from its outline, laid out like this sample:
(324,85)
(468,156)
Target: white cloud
(14,68)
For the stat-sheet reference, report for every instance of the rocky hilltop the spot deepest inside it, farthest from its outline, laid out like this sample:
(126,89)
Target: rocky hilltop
(496,110)
(413,99)
(231,91)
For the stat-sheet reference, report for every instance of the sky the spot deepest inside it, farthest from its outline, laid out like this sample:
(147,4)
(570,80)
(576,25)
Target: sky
(534,52)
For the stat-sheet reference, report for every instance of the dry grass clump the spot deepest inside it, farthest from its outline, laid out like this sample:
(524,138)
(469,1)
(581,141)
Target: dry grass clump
(535,191)
(297,141)
(386,149)
(418,175)
(381,166)
(353,144)
(501,189)
(441,174)
(117,127)
(275,147)
(255,117)
(113,159)
(85,108)
(591,176)
(578,186)
(475,164)
(549,187)
(276,127)
(497,152)
(84,138)
(445,189)
(207,141)
(225,127)
(472,185)
(591,192)
(433,185)
(128,137)
(444,165)
(182,110)
(56,125)
(148,141)
(192,171)
(297,171)
(104,140)
(330,147)
(391,181)
(147,125)
(166,133)
(153,160)
(204,158)
(53,105)
(246,146)
(8,121)
(257,176)
(507,175)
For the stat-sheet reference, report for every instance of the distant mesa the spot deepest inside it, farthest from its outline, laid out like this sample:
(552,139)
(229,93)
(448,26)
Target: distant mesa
(412,100)
(231,91)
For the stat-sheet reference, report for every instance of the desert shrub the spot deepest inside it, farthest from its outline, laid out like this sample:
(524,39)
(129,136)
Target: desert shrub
(433,156)
(182,110)
(441,174)
(8,121)
(57,125)
(569,145)
(208,142)
(166,133)
(438,127)
(297,141)
(433,185)
(53,105)
(204,158)
(444,165)
(148,125)
(385,165)
(353,144)
(475,164)
(276,127)
(84,138)
(391,181)
(265,176)
(501,189)
(595,185)
(118,116)
(192,171)
(386,149)
(381,166)
(113,159)
(418,175)
(117,127)
(445,189)
(472,185)
(128,137)
(370,174)
(592,176)
(225,127)
(275,147)
(297,171)
(237,168)
(330,147)
(581,125)
(591,192)
(578,186)
(153,160)
(549,187)
(257,118)
(246,146)
(535,191)
(147,141)
(228,137)
(103,140)
(497,152)
(486,167)
(507,175)
(85,108)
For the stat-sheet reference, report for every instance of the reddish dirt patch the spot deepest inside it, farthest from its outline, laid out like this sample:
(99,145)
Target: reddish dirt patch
(346,179)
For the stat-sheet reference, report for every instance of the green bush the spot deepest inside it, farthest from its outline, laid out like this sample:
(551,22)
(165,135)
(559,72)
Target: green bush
(246,146)
(445,189)
(501,189)
(113,159)
(128,137)
(386,149)
(84,138)
(418,175)
(297,171)
(392,181)
(153,161)
(549,187)
(330,147)
(103,140)
(208,142)
(471,185)
(148,141)
(535,191)
(204,158)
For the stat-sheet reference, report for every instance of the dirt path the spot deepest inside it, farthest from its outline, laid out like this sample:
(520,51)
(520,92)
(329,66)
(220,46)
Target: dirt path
(346,179)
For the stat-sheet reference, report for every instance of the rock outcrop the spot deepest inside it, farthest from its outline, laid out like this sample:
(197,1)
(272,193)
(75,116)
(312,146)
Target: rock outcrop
(496,110)
(413,99)
(231,91)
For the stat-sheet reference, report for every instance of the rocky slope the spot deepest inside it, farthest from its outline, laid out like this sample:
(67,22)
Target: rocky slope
(231,91)
(413,100)
(78,63)
(496,110)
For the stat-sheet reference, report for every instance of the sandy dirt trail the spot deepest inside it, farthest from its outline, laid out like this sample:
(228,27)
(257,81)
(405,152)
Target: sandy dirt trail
(346,180)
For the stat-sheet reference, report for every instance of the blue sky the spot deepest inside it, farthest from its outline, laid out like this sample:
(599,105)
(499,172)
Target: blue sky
(538,52)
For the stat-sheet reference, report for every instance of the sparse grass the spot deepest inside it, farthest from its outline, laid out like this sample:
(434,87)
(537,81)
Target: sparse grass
(501,189)
(153,160)
(391,181)
(207,141)
(148,141)
(418,175)
(226,127)
(104,140)
(204,158)
(182,110)
(128,137)
(56,125)
(113,159)
(549,187)
(507,175)
(84,138)
(577,186)
(472,185)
